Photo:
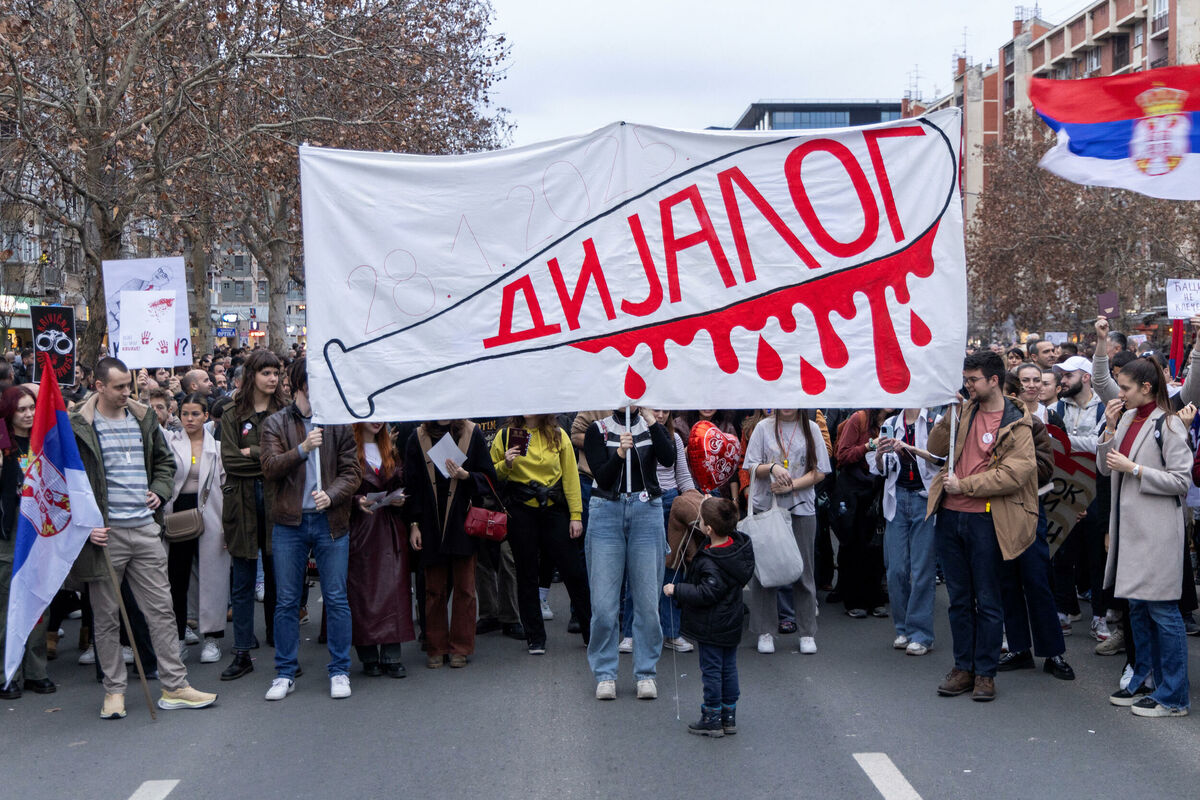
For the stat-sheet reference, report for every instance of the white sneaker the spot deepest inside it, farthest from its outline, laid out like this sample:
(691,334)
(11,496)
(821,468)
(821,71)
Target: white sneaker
(900,642)
(1100,630)
(211,652)
(127,654)
(626,645)
(766,643)
(916,649)
(190,636)
(647,689)
(1126,676)
(1064,622)
(61,633)
(76,614)
(606,690)
(808,645)
(280,688)
(87,656)
(547,613)
(260,591)
(183,651)
(679,645)
(339,687)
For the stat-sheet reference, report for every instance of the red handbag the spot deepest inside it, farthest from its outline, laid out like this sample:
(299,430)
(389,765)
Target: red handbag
(483,523)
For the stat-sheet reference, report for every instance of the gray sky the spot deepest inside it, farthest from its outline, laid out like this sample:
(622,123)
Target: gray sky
(576,66)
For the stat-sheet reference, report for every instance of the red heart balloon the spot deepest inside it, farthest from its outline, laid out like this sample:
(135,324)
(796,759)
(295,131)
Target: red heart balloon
(713,456)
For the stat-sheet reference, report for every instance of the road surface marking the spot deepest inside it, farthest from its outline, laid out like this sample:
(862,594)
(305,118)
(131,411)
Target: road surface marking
(890,782)
(154,790)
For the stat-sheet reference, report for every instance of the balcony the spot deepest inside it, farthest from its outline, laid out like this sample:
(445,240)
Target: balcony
(1161,61)
(1159,25)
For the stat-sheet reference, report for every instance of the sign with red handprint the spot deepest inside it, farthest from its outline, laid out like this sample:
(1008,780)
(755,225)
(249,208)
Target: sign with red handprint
(147,328)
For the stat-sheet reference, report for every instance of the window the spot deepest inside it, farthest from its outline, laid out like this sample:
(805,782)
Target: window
(262,292)
(1139,35)
(888,116)
(239,261)
(1120,46)
(784,120)
(1093,59)
(239,290)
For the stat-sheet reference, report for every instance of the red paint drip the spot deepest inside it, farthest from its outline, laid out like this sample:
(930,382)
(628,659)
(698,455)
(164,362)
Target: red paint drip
(635,385)
(822,297)
(770,365)
(921,335)
(811,379)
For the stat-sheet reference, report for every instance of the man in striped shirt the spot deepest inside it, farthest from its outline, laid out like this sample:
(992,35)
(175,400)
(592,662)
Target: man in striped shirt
(131,471)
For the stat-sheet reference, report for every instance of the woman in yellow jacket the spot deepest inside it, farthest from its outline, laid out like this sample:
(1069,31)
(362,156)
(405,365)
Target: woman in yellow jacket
(534,456)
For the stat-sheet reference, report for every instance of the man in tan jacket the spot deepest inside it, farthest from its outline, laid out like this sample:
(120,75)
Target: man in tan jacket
(986,511)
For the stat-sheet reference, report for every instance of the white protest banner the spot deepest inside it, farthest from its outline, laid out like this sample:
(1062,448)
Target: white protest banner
(1074,487)
(147,328)
(146,275)
(1056,337)
(1183,298)
(676,269)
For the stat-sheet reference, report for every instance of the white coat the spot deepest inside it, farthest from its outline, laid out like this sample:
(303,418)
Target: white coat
(1145,547)
(214,558)
(891,461)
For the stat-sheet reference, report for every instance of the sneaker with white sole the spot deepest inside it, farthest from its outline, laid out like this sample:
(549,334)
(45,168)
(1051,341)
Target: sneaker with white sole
(339,687)
(808,645)
(114,707)
(211,652)
(766,643)
(647,689)
(1064,622)
(127,655)
(679,644)
(916,649)
(626,645)
(281,688)
(547,612)
(900,642)
(606,690)
(1100,630)
(87,657)
(190,636)
(1148,707)
(187,697)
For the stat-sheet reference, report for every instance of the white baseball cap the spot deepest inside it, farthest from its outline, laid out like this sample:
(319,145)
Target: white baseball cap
(1075,364)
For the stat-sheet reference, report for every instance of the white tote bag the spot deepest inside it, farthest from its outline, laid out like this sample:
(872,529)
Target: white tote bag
(777,559)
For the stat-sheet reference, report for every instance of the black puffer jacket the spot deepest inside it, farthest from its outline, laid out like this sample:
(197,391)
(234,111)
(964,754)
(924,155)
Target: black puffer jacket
(712,597)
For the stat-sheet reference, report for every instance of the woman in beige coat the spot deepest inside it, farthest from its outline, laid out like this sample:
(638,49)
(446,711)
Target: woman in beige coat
(1145,451)
(198,480)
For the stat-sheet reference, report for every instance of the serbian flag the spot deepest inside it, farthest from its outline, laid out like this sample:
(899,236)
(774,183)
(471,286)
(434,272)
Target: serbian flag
(1139,131)
(58,511)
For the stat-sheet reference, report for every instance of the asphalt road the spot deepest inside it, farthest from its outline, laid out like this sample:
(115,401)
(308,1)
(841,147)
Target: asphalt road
(520,726)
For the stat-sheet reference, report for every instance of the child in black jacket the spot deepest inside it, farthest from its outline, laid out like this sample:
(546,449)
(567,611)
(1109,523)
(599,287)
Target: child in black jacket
(711,601)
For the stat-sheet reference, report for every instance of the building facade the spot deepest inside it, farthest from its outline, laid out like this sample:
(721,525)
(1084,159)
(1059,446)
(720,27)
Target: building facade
(777,115)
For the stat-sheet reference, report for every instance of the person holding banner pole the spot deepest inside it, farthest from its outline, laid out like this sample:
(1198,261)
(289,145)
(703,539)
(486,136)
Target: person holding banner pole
(626,537)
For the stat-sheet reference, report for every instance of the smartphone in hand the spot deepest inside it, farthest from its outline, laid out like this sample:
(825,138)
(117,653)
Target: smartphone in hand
(519,437)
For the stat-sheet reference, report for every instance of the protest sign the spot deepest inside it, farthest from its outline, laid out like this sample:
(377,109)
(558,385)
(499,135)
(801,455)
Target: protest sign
(54,334)
(145,275)
(148,328)
(1108,305)
(676,269)
(1055,337)
(1074,489)
(1183,298)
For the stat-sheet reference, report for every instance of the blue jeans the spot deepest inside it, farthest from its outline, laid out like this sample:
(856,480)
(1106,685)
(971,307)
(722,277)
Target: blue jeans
(668,612)
(1161,645)
(908,548)
(625,537)
(970,556)
(718,674)
(290,547)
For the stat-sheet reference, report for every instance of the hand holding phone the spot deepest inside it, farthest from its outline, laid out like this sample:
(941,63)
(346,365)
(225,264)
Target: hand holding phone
(519,438)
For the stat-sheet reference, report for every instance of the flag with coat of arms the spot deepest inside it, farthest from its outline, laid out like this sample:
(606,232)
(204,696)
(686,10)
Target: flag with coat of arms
(1136,131)
(57,512)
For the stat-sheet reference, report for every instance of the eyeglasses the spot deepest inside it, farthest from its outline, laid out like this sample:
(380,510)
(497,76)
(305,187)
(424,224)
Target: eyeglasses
(972,381)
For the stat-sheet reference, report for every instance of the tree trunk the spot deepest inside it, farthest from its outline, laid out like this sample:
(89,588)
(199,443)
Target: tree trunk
(198,256)
(91,344)
(277,284)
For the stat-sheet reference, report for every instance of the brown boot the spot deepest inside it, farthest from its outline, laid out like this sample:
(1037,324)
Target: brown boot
(985,689)
(958,682)
(51,645)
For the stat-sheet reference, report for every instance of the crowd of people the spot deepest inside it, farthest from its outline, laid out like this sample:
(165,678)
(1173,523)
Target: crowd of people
(220,494)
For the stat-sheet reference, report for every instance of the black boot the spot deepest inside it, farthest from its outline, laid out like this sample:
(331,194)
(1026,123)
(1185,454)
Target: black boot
(240,666)
(729,719)
(709,724)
